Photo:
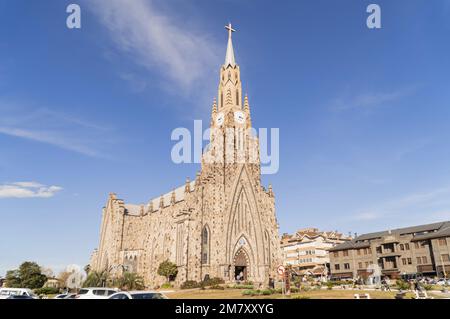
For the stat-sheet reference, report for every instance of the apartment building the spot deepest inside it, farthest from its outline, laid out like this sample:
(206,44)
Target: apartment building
(307,250)
(418,250)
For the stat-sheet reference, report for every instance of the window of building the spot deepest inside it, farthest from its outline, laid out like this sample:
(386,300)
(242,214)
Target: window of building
(442,242)
(424,260)
(359,252)
(419,260)
(369,251)
(367,264)
(416,245)
(407,246)
(205,245)
(378,249)
(360,265)
(336,254)
(402,247)
(337,267)
(345,253)
(346,266)
(365,251)
(409,261)
(445,257)
(404,261)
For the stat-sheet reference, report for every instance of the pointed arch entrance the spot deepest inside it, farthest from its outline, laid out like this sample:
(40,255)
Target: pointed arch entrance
(241,265)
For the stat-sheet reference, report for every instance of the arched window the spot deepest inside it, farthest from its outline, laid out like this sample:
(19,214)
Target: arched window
(237,98)
(205,245)
(266,247)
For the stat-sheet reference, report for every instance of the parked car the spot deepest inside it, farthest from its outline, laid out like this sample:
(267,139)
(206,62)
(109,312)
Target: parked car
(96,293)
(138,295)
(60,296)
(70,296)
(443,282)
(7,292)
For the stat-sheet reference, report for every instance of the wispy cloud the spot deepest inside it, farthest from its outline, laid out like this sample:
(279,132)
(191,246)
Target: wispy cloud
(46,126)
(28,190)
(157,40)
(369,100)
(434,203)
(366,216)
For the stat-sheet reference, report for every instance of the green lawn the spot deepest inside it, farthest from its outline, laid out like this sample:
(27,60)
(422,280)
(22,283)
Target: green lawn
(313,294)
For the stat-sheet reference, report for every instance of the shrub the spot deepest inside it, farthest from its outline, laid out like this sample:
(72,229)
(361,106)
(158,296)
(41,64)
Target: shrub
(402,285)
(427,287)
(168,269)
(46,291)
(212,282)
(294,289)
(190,284)
(249,292)
(329,285)
(266,292)
(166,285)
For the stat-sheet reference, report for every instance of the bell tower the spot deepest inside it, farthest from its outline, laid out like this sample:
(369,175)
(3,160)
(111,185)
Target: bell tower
(232,141)
(229,109)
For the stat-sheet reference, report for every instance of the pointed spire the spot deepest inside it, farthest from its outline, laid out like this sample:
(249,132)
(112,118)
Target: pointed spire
(214,107)
(270,192)
(246,105)
(173,198)
(150,207)
(187,187)
(161,202)
(229,57)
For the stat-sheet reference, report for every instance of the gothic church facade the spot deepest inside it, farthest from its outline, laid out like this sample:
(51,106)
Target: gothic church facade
(222,224)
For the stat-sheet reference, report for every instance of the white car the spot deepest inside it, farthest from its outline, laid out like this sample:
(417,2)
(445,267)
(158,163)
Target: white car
(443,282)
(96,293)
(138,295)
(7,292)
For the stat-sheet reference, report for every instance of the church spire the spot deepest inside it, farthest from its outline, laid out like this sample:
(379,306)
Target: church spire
(229,57)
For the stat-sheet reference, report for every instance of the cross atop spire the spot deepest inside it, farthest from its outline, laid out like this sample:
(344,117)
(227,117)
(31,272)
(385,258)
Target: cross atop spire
(230,30)
(229,57)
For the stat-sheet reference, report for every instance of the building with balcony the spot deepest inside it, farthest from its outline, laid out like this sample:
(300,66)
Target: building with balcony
(404,252)
(307,250)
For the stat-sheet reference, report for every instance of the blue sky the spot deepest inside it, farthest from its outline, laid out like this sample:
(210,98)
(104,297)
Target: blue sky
(363,114)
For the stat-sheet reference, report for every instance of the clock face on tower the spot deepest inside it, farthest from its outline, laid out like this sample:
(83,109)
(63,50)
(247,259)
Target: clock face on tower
(219,119)
(239,117)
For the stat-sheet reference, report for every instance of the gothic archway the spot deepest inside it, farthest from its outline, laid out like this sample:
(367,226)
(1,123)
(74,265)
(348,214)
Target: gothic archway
(241,265)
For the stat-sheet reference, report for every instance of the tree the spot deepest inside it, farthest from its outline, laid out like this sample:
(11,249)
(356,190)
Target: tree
(12,279)
(130,281)
(31,276)
(28,275)
(168,269)
(63,277)
(96,279)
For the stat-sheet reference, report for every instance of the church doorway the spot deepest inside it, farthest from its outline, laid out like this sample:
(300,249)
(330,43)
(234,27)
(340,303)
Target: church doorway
(241,266)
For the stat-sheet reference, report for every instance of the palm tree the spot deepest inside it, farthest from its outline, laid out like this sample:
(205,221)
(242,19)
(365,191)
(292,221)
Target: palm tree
(130,281)
(96,279)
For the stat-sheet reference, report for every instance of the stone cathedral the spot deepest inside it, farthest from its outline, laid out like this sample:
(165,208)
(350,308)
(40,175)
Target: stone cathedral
(222,224)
